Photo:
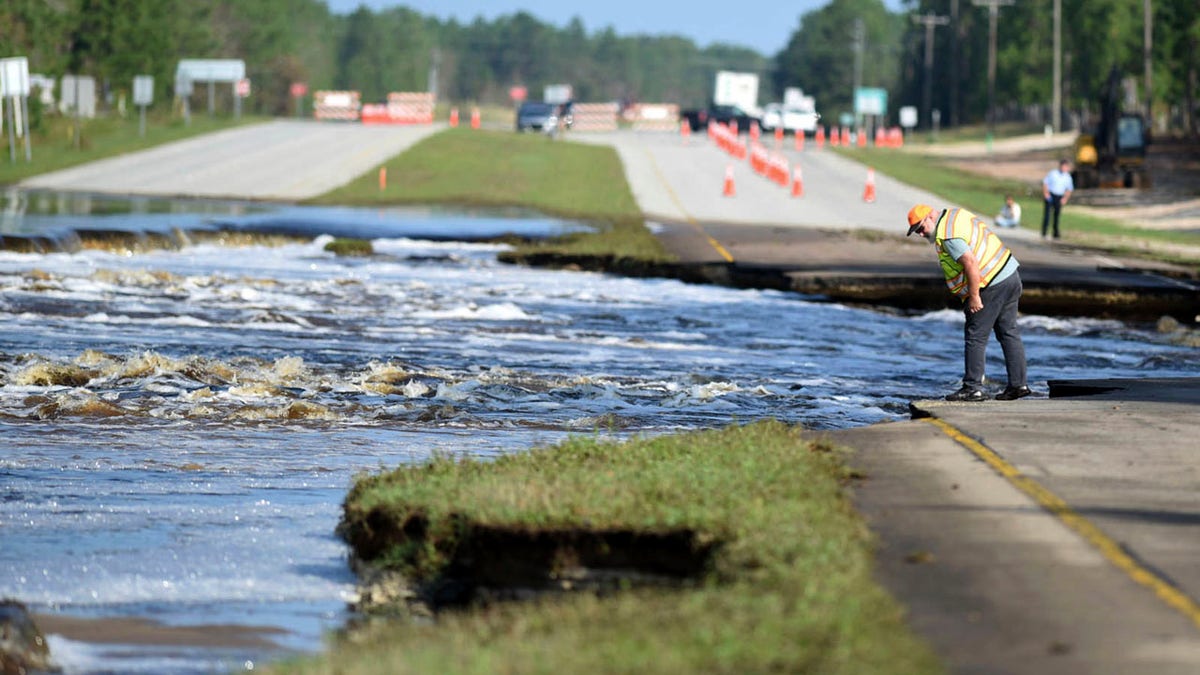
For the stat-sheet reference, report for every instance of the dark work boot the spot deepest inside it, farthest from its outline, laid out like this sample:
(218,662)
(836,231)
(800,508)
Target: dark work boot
(1014,393)
(967,394)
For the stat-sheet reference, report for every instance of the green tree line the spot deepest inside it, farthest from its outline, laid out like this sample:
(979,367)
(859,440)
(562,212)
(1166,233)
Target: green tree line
(832,49)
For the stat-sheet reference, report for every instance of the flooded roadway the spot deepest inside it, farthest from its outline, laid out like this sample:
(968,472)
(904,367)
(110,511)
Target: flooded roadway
(181,425)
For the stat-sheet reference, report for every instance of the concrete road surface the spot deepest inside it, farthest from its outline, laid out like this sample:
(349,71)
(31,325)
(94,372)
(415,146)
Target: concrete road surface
(282,160)
(681,181)
(1084,558)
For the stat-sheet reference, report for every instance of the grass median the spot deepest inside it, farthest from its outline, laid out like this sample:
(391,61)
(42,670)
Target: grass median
(776,577)
(483,168)
(983,194)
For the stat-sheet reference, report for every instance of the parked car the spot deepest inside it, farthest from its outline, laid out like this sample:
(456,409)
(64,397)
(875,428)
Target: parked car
(724,114)
(795,120)
(538,116)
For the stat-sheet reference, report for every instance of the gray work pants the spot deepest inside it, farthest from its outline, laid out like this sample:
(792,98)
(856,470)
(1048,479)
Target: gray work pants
(999,314)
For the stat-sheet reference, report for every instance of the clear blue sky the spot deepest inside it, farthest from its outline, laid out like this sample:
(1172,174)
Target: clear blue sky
(763,26)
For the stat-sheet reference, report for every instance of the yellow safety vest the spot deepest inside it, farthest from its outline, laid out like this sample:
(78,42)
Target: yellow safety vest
(989,251)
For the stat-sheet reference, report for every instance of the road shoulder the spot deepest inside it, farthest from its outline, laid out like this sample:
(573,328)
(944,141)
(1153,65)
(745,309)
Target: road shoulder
(995,581)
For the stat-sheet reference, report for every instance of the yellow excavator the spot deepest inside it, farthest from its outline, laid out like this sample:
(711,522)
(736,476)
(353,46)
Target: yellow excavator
(1112,154)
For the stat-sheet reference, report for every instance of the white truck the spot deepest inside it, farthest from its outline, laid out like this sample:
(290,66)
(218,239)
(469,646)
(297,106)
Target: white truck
(797,114)
(736,89)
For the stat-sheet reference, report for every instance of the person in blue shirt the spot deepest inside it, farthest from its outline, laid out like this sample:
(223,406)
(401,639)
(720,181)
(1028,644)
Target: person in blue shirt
(1057,187)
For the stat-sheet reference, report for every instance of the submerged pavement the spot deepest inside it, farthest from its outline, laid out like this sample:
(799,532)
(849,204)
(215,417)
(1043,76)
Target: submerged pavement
(1054,534)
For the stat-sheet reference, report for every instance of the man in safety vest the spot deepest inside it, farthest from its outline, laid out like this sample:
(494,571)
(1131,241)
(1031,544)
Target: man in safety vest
(982,272)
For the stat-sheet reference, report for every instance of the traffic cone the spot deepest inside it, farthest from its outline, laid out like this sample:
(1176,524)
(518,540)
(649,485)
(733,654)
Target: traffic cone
(454,117)
(820,137)
(474,118)
(382,178)
(729,190)
(862,138)
(834,140)
(799,141)
(685,130)
(779,135)
(797,182)
(869,190)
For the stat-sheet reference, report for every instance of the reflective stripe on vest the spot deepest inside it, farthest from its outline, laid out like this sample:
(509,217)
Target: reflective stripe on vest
(989,251)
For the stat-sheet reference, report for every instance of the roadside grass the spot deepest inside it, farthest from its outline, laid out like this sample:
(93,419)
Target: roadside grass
(788,588)
(53,147)
(983,195)
(484,168)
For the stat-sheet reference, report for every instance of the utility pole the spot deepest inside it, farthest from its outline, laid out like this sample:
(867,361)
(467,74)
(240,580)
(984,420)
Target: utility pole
(930,21)
(1056,96)
(1147,44)
(860,40)
(435,64)
(993,13)
(954,78)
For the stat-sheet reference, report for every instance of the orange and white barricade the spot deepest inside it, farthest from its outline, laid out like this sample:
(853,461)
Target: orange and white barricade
(336,105)
(594,117)
(410,107)
(401,108)
(655,117)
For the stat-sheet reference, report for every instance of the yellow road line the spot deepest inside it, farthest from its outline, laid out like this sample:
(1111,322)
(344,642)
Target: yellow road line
(1110,549)
(679,205)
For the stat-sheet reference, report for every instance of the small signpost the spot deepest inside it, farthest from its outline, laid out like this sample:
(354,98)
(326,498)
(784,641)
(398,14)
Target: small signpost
(241,89)
(183,92)
(908,118)
(143,95)
(298,90)
(14,86)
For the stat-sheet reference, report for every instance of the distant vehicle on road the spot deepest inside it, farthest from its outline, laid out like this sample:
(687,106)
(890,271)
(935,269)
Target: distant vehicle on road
(790,118)
(723,114)
(537,116)
(548,118)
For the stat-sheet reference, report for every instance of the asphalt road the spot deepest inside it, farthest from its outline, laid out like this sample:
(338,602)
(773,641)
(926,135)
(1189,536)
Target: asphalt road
(282,160)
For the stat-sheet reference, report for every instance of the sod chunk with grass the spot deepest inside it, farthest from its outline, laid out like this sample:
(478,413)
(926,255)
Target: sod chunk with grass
(743,552)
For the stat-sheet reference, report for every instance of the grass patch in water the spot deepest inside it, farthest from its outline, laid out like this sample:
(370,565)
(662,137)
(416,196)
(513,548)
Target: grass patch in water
(787,585)
(479,168)
(343,246)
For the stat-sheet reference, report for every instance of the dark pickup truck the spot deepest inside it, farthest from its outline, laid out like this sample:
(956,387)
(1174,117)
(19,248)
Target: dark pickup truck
(698,119)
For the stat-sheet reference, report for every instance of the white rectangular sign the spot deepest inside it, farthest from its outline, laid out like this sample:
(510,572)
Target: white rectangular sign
(14,76)
(143,89)
(211,70)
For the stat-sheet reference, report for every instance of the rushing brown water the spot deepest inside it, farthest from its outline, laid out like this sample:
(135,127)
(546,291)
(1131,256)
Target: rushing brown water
(180,422)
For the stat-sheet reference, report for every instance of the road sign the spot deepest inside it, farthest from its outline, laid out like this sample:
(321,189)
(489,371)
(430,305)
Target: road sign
(908,116)
(870,101)
(243,87)
(143,89)
(518,94)
(299,89)
(557,93)
(14,76)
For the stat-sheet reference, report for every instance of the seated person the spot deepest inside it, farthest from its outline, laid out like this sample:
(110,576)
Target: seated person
(1010,213)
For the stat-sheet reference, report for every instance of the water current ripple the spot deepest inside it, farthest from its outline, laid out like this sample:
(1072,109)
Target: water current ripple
(180,426)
